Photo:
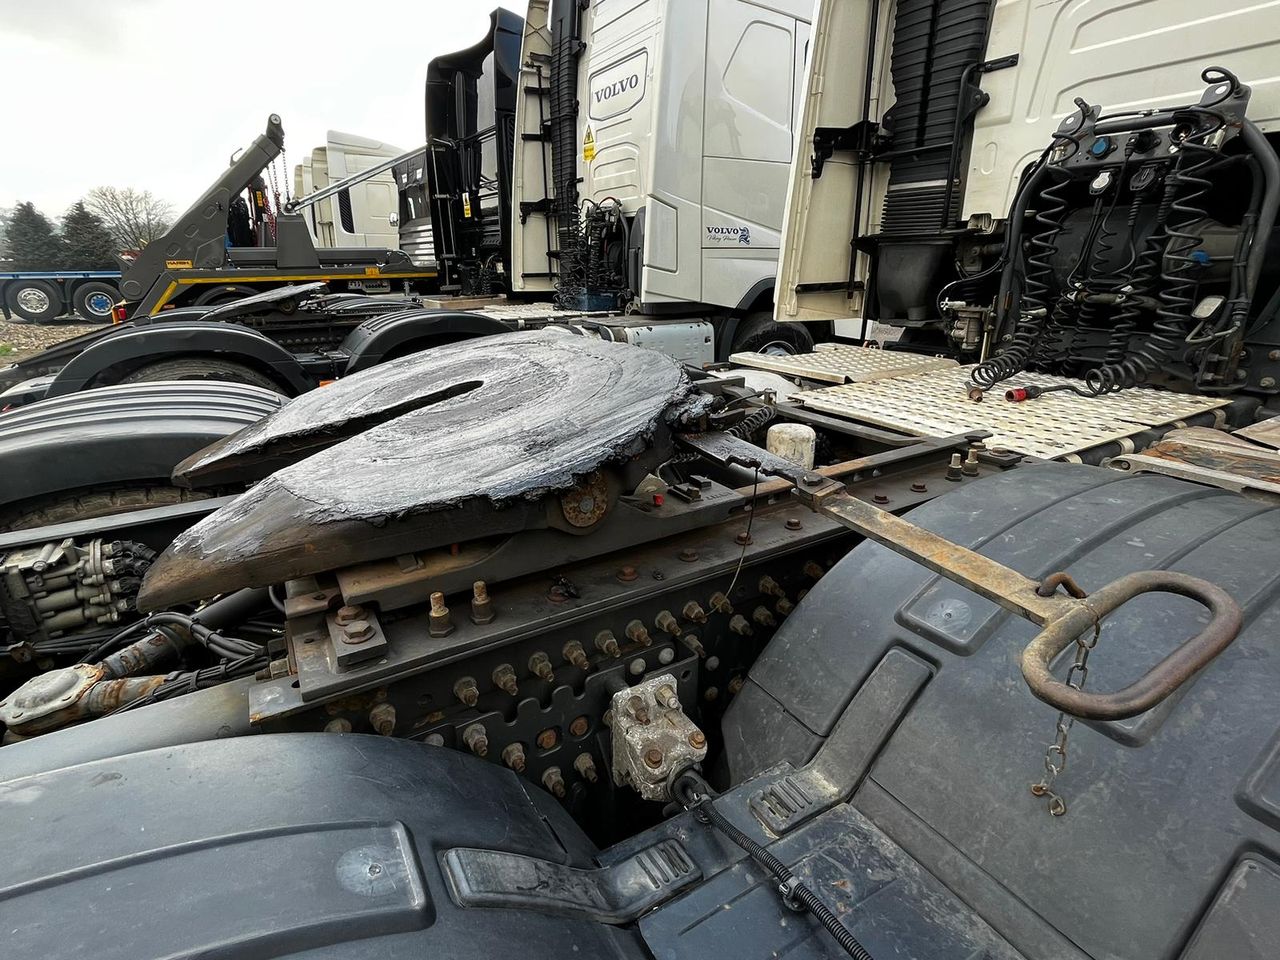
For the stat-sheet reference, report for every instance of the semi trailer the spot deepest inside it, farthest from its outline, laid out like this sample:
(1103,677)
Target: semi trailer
(573,648)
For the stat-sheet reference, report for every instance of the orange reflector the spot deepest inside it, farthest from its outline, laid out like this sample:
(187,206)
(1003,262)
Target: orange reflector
(325,383)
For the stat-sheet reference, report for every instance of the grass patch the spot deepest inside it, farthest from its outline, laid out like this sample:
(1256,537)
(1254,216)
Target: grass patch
(6,349)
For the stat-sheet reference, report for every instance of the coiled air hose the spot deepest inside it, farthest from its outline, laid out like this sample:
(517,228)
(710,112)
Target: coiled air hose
(695,794)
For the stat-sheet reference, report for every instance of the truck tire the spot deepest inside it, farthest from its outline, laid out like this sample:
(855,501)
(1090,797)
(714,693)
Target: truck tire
(760,333)
(88,505)
(216,296)
(33,301)
(200,368)
(93,301)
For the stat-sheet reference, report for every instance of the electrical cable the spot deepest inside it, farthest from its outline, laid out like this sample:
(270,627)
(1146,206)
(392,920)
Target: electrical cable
(695,794)
(746,537)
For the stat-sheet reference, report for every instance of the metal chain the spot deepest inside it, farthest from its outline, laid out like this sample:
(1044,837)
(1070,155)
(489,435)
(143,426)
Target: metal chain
(274,204)
(1055,757)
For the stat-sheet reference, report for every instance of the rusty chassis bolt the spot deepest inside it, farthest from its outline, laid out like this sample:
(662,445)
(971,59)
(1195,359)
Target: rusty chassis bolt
(481,606)
(540,666)
(348,613)
(638,633)
(441,622)
(513,756)
(607,643)
(575,655)
(383,719)
(466,690)
(476,739)
(693,612)
(554,782)
(504,678)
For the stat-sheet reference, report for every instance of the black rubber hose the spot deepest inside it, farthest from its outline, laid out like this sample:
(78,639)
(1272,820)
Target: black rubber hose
(1257,142)
(233,608)
(699,794)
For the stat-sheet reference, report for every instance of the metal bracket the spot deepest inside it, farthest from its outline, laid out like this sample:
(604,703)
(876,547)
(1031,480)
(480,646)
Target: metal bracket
(615,894)
(1063,617)
(527,207)
(827,140)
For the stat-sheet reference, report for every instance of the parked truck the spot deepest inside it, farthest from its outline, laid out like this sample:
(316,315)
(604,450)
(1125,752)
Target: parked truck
(566,653)
(363,212)
(513,249)
(38,296)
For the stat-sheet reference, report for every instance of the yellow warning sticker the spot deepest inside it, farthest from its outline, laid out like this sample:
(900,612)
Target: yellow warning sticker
(177,264)
(589,146)
(466,205)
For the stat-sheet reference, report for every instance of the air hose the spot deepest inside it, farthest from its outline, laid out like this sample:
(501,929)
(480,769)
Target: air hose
(695,794)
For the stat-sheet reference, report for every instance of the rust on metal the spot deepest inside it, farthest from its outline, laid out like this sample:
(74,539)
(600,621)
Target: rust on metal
(1225,619)
(1050,584)
(982,575)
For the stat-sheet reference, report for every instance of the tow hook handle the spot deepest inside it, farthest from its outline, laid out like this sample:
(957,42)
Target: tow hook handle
(1225,619)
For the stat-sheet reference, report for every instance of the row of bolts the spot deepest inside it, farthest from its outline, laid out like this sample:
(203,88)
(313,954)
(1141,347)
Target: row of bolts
(475,737)
(504,675)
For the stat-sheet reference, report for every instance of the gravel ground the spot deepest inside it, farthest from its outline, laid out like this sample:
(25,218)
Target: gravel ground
(19,340)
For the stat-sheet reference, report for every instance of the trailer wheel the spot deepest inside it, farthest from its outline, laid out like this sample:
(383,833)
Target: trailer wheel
(200,368)
(93,301)
(760,333)
(35,301)
(89,505)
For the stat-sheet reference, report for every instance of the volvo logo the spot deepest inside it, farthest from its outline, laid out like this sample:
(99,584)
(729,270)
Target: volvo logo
(618,87)
(720,234)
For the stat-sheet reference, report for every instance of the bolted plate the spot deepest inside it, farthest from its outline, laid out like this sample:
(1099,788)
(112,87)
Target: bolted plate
(439,447)
(936,403)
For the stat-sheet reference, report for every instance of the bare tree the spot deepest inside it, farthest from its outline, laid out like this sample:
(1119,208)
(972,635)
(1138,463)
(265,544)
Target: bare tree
(134,217)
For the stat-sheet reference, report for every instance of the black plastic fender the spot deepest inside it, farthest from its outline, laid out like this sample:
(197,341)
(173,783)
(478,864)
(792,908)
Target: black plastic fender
(379,337)
(120,434)
(247,871)
(149,342)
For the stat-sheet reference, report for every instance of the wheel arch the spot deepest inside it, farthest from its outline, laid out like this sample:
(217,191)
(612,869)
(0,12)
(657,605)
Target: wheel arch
(380,337)
(136,346)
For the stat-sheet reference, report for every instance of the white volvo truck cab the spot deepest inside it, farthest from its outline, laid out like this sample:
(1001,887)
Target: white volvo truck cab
(651,157)
(364,214)
(1079,188)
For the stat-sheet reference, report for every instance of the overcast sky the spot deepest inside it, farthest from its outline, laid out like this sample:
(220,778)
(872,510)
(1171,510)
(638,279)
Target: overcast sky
(156,94)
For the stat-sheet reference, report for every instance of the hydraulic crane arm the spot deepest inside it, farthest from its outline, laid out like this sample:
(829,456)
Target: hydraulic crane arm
(197,239)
